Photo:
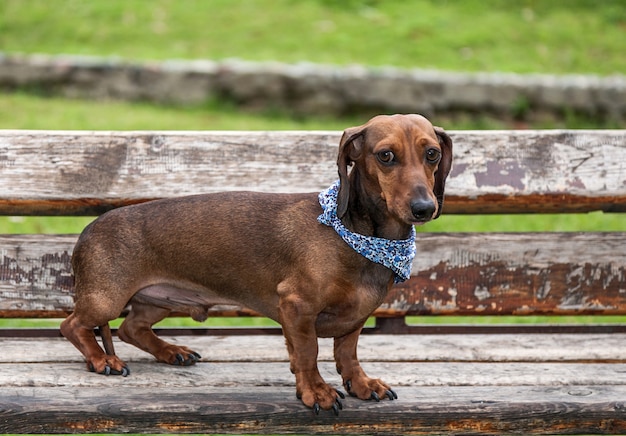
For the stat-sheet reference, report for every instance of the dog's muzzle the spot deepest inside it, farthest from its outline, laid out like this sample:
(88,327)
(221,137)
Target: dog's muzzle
(423,210)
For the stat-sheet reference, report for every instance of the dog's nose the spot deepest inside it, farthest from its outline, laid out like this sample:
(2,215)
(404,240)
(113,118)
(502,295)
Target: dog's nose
(422,210)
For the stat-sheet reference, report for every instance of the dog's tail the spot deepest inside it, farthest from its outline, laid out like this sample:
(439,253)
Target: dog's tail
(107,339)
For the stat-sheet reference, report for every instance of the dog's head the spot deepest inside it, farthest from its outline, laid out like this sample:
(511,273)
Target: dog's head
(401,161)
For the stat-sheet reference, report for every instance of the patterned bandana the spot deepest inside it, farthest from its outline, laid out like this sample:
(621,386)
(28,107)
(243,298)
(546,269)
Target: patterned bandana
(397,255)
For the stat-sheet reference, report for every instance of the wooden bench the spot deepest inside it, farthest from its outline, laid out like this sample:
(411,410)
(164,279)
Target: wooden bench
(469,379)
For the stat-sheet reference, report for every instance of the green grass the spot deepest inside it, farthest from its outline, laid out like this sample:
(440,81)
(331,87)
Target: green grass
(27,111)
(595,221)
(24,110)
(46,225)
(576,36)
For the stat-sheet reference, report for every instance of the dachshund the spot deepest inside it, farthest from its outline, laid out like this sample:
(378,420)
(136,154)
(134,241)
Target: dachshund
(187,254)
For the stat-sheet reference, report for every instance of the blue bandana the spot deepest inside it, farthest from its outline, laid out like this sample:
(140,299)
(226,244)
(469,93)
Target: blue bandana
(397,255)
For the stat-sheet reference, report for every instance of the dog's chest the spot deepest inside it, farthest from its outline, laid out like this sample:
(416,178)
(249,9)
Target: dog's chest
(344,316)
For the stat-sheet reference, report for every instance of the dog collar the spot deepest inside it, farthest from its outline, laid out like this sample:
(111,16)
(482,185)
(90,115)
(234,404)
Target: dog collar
(395,254)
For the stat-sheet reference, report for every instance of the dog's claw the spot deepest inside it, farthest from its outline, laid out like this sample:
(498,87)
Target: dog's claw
(124,372)
(341,394)
(109,371)
(349,385)
(375,397)
(336,408)
(191,359)
(180,359)
(391,394)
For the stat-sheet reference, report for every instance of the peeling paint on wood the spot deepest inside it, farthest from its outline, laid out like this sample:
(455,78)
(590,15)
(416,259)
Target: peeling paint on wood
(550,273)
(35,274)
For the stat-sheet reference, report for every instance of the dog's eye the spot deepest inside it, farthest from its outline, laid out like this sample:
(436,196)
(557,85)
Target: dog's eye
(386,156)
(433,155)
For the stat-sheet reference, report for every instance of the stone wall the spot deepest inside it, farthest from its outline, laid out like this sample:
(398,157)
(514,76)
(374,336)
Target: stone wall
(315,89)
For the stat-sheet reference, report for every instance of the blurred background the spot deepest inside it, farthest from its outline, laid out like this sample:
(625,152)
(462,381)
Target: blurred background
(584,37)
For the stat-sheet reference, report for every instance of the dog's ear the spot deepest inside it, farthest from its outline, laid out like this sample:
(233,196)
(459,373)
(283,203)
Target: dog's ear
(350,148)
(444,166)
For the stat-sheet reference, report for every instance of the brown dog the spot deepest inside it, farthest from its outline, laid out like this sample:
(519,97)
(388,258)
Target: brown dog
(186,254)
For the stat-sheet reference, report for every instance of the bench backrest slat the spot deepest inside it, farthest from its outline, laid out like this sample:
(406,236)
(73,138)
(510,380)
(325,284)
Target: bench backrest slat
(469,274)
(87,173)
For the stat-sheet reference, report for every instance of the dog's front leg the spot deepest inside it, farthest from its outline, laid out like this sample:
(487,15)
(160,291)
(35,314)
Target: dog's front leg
(356,382)
(301,338)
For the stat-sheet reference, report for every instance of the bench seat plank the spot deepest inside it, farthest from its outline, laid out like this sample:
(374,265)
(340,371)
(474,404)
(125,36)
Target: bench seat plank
(484,384)
(252,375)
(81,172)
(422,410)
(561,347)
(467,273)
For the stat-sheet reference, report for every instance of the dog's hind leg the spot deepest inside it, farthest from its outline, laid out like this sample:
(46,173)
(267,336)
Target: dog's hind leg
(107,339)
(137,330)
(83,337)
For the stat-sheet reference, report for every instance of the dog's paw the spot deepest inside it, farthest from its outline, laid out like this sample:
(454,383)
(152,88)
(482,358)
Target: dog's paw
(108,365)
(367,388)
(322,397)
(178,355)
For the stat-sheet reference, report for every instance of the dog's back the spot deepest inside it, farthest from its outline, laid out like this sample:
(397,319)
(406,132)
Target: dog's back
(218,246)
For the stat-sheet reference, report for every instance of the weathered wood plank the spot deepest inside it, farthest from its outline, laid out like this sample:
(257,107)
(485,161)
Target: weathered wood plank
(36,275)
(525,273)
(423,410)
(66,173)
(550,273)
(252,375)
(375,349)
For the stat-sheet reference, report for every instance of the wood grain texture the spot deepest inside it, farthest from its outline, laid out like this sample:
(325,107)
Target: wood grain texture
(537,273)
(66,173)
(252,375)
(425,410)
(373,349)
